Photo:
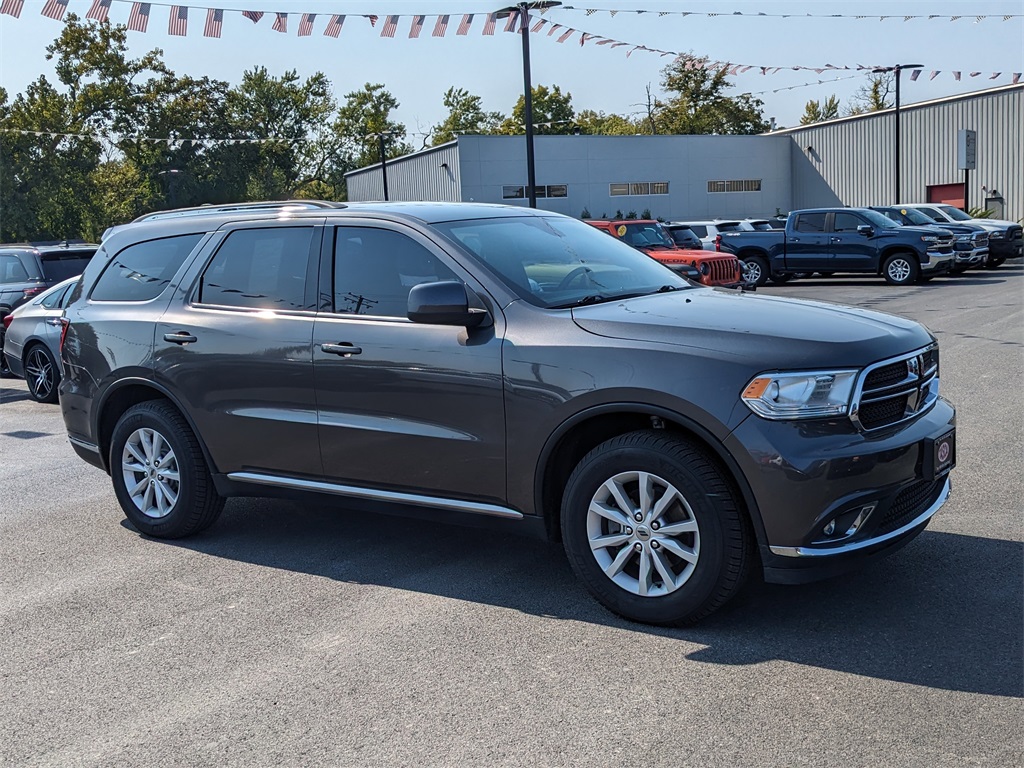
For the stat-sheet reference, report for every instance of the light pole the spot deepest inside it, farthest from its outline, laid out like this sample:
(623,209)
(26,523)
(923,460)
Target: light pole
(896,69)
(172,174)
(383,157)
(523,9)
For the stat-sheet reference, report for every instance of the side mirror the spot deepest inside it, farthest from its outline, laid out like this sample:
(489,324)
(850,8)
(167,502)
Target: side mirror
(443,303)
(866,229)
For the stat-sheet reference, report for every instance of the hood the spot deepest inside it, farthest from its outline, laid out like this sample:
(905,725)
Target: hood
(994,225)
(769,332)
(923,231)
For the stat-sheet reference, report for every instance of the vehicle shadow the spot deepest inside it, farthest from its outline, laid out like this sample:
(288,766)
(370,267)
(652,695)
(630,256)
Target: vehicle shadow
(10,395)
(945,612)
(1008,270)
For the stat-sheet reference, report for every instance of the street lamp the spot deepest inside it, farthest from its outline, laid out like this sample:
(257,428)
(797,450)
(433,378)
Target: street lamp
(523,9)
(897,68)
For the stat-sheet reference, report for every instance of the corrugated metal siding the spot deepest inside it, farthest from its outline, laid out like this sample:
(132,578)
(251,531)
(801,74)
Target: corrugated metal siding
(851,161)
(432,174)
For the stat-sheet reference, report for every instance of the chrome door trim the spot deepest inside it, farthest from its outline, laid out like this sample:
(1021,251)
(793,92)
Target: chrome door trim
(374,494)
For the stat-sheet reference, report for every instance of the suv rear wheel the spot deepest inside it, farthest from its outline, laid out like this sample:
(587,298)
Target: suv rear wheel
(654,530)
(159,473)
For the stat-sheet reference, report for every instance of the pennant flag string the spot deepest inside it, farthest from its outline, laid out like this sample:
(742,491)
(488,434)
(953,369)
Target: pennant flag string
(761,14)
(171,142)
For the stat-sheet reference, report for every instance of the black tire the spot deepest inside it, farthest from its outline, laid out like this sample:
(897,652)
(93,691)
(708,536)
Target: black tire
(826,274)
(723,540)
(42,374)
(782,278)
(757,268)
(5,370)
(196,504)
(993,262)
(901,269)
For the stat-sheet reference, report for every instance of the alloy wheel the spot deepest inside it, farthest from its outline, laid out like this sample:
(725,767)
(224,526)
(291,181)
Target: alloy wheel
(643,534)
(150,471)
(39,373)
(899,270)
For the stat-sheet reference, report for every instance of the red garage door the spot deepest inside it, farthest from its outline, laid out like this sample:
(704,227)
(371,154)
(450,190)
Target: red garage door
(950,194)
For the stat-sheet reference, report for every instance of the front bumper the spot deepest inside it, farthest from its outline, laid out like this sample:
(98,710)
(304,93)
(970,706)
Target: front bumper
(973,258)
(804,476)
(1006,249)
(938,263)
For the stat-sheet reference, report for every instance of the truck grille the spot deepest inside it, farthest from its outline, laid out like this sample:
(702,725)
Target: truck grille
(723,270)
(892,391)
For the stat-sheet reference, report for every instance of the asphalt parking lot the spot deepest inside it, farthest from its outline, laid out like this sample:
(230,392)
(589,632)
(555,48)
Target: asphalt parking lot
(294,635)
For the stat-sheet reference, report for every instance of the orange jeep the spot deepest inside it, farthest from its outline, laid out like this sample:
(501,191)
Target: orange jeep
(649,236)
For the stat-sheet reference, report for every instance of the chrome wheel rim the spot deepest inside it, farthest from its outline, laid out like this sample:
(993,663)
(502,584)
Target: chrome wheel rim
(150,471)
(899,270)
(643,534)
(751,271)
(39,372)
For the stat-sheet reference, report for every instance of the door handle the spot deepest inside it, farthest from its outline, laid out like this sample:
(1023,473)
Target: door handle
(54,321)
(345,349)
(794,239)
(836,239)
(181,337)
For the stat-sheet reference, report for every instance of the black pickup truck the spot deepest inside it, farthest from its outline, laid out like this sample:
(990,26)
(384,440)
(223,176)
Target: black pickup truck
(831,240)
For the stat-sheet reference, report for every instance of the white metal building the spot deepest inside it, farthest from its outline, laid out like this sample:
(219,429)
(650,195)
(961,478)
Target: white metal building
(848,161)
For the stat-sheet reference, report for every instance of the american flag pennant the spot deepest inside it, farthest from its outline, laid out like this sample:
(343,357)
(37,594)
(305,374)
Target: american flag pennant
(138,19)
(253,16)
(994,75)
(177,24)
(214,22)
(915,74)
(492,19)
(55,9)
(934,74)
(554,28)
(734,70)
(12,7)
(441,26)
(333,28)
(280,23)
(744,69)
(99,11)
(617,44)
(583,38)
(465,24)
(764,70)
(975,74)
(630,51)
(373,19)
(306,24)
(510,23)
(605,41)
(566,35)
(417,26)
(390,26)
(1016,77)
(538,26)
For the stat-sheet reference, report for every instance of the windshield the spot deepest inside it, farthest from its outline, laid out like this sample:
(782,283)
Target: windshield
(644,234)
(954,213)
(558,262)
(912,216)
(880,221)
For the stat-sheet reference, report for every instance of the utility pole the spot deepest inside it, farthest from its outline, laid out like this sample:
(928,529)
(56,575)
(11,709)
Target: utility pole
(896,69)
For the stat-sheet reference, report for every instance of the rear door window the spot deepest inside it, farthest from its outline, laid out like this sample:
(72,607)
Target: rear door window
(810,222)
(140,272)
(261,269)
(12,270)
(58,267)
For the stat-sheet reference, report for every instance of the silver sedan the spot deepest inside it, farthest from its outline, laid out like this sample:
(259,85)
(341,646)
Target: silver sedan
(31,342)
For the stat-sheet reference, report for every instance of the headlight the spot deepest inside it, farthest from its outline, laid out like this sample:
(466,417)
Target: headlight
(805,395)
(929,239)
(996,235)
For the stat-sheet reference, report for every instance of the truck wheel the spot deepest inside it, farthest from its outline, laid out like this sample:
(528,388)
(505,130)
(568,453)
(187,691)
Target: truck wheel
(159,473)
(654,530)
(782,278)
(901,269)
(756,269)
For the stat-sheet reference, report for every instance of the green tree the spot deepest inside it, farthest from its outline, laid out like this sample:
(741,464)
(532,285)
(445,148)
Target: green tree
(595,123)
(363,119)
(466,115)
(696,103)
(874,95)
(552,113)
(815,111)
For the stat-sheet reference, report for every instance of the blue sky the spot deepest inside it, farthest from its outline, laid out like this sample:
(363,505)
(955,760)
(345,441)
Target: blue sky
(419,71)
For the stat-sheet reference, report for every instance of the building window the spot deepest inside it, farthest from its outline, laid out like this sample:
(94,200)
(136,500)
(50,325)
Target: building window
(558,190)
(513,193)
(519,193)
(735,185)
(638,188)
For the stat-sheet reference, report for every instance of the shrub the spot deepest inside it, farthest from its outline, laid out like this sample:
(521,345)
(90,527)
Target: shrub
(631,215)
(585,213)
(646,214)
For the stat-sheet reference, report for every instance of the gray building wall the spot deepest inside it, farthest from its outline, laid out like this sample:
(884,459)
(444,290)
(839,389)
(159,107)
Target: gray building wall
(431,174)
(850,161)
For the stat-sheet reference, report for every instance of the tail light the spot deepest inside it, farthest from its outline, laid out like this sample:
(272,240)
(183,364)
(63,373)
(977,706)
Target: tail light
(718,242)
(64,325)
(28,293)
(7,321)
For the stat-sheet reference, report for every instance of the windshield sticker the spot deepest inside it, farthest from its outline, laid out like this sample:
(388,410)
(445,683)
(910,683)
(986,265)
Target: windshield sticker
(621,230)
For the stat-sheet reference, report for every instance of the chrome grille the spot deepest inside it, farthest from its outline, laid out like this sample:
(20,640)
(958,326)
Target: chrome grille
(892,391)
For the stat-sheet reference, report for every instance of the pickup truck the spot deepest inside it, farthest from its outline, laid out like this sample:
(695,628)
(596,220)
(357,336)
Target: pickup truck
(650,237)
(831,240)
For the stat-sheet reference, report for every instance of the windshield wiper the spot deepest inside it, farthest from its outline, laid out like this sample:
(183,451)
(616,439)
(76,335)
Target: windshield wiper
(594,298)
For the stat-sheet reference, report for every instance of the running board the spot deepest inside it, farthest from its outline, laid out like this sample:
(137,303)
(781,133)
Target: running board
(374,494)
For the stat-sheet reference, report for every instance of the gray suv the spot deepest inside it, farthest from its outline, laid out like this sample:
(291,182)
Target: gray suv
(490,363)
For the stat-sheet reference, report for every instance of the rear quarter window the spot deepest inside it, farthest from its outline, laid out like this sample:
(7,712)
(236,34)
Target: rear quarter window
(12,270)
(140,272)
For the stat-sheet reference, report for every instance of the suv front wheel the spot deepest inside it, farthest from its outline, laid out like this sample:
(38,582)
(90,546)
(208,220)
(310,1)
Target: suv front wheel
(159,473)
(654,529)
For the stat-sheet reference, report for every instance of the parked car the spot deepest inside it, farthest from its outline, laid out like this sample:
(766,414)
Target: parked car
(831,240)
(653,238)
(498,363)
(28,269)
(708,231)
(1005,238)
(970,247)
(31,343)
